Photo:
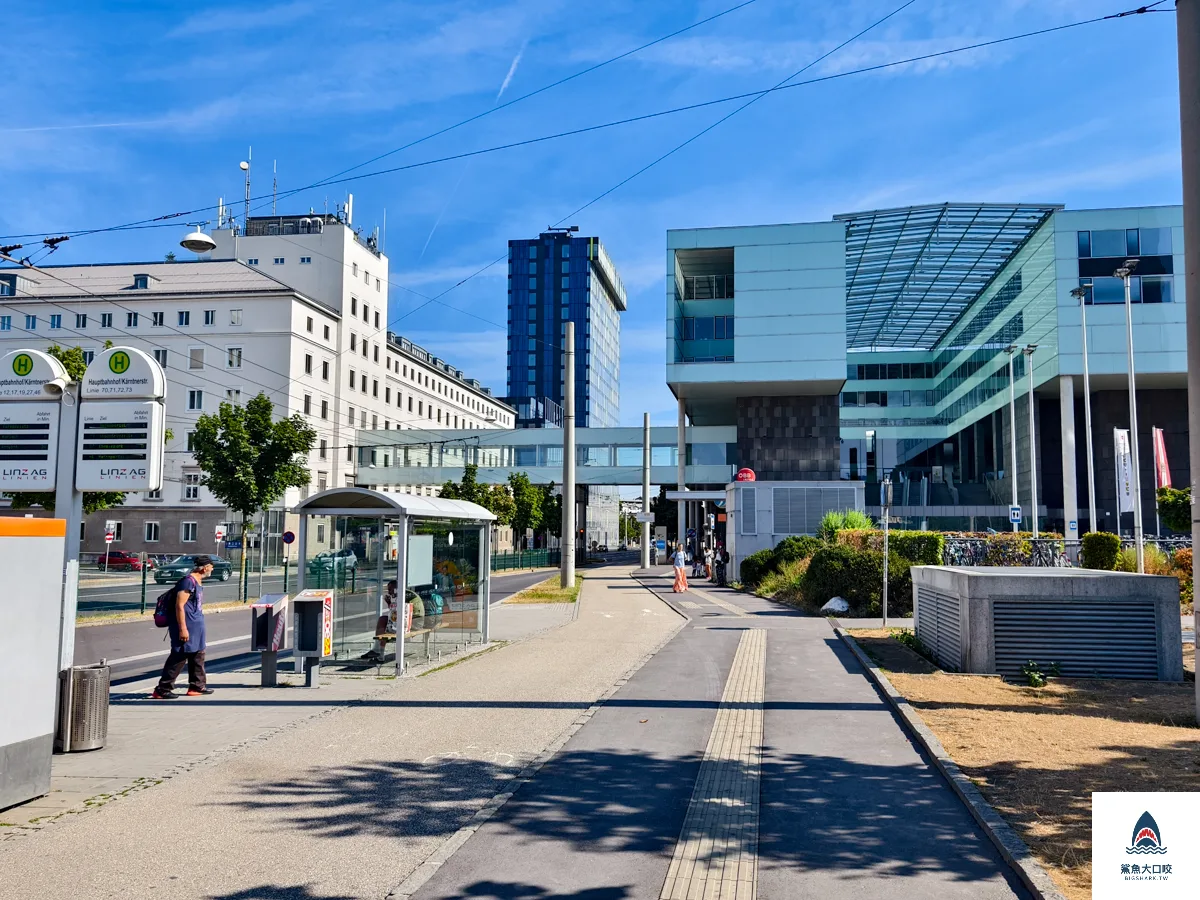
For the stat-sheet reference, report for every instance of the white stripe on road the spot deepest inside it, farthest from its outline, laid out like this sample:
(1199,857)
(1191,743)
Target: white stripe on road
(128,659)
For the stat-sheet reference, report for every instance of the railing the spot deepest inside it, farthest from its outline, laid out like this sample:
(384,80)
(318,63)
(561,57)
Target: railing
(1042,553)
(525,559)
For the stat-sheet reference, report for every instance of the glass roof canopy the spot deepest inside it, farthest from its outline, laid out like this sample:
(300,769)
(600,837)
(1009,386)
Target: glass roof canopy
(911,271)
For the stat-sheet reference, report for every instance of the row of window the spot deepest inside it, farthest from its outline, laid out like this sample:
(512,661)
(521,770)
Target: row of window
(887,398)
(1120,242)
(707,328)
(132,320)
(1142,289)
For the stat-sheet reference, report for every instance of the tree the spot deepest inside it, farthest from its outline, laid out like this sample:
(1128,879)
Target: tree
(527,504)
(630,527)
(249,459)
(551,510)
(93,501)
(1175,508)
(495,498)
(666,512)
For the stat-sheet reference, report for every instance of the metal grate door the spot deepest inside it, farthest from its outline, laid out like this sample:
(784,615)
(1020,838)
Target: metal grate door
(1105,639)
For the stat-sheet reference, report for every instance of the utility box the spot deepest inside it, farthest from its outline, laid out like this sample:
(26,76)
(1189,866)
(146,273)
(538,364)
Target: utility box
(312,631)
(31,558)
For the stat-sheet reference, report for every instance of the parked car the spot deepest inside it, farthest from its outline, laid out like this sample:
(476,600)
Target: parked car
(120,561)
(333,560)
(183,565)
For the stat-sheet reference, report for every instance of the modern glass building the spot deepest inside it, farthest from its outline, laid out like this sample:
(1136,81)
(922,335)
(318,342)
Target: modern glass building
(879,344)
(553,279)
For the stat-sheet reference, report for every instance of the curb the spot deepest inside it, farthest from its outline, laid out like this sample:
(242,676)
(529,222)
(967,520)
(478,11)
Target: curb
(1013,850)
(429,867)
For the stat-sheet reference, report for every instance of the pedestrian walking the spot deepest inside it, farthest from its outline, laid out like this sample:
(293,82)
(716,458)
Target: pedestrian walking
(679,561)
(185,627)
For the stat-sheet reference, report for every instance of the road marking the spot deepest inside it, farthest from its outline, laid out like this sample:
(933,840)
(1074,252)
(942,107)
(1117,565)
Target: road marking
(689,604)
(716,857)
(128,659)
(724,604)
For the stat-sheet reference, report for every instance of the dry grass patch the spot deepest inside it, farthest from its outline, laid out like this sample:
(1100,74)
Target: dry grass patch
(1038,754)
(548,591)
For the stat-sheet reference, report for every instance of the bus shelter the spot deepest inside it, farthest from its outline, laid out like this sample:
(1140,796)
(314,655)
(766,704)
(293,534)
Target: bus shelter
(353,541)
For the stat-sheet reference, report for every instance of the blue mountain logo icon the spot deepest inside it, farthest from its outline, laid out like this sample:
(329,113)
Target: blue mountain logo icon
(1147,838)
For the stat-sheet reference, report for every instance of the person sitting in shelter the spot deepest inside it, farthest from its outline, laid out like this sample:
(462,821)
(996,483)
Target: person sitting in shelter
(386,624)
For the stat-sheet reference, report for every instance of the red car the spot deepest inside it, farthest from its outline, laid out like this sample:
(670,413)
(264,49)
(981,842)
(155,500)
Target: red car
(120,561)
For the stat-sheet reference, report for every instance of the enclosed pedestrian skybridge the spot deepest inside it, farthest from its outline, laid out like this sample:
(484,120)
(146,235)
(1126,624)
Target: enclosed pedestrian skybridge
(604,456)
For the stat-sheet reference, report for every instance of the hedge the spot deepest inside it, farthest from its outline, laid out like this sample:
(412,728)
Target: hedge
(857,577)
(756,566)
(791,549)
(921,548)
(1100,549)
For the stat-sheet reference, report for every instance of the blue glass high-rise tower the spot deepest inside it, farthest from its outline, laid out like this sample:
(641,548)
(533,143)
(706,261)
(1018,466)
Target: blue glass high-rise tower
(552,279)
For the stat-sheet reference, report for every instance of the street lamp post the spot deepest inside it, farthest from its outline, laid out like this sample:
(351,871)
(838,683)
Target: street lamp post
(1125,273)
(1028,351)
(1080,294)
(1012,427)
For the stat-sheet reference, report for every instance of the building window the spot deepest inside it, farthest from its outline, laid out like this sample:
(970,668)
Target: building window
(354,270)
(308,363)
(81,320)
(141,282)
(88,356)
(185,318)
(374,387)
(55,322)
(325,369)
(308,404)
(350,415)
(191,442)
(366,277)
(376,353)
(131,320)
(106,320)
(233,395)
(210,317)
(323,449)
(354,301)
(191,486)
(310,324)
(387,394)
(195,400)
(5,323)
(153,495)
(157,319)
(363,383)
(195,357)
(353,380)
(326,332)
(350,451)
(279,260)
(187,532)
(305,260)
(160,356)
(233,358)
(252,261)
(362,421)
(353,341)
(376,284)
(235,317)
(324,409)
(150,533)
(30,323)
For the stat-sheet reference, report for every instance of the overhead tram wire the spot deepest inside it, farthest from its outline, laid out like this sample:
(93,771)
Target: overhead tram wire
(143,223)
(753,95)
(160,221)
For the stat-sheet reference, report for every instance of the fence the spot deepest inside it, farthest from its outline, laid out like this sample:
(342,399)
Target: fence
(525,559)
(1043,552)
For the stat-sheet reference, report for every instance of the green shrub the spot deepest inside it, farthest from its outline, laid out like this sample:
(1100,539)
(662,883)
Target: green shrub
(1008,550)
(1175,508)
(924,548)
(756,567)
(785,583)
(1154,560)
(791,549)
(857,577)
(1100,549)
(836,520)
(860,538)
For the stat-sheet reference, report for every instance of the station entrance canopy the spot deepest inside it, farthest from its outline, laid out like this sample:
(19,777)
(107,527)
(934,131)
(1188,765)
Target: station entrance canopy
(604,456)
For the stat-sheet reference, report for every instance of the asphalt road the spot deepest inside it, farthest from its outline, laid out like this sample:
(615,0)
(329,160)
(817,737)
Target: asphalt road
(122,592)
(136,649)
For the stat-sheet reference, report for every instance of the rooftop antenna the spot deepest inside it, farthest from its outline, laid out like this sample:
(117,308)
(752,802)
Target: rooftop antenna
(220,212)
(383,240)
(274,183)
(245,167)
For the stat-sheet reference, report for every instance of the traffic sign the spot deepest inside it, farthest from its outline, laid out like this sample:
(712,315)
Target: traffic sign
(219,533)
(29,428)
(108,537)
(1014,515)
(120,446)
(644,516)
(233,544)
(123,373)
(288,537)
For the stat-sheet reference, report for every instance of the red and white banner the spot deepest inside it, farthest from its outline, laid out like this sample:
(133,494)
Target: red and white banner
(1162,472)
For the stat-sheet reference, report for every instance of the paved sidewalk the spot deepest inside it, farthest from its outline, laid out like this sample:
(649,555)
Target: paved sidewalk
(347,800)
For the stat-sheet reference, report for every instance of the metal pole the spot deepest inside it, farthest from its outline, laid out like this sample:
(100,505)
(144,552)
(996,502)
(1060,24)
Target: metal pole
(1187,23)
(285,568)
(1093,525)
(143,582)
(1012,428)
(1028,351)
(68,504)
(886,502)
(645,489)
(568,506)
(1125,274)
(262,541)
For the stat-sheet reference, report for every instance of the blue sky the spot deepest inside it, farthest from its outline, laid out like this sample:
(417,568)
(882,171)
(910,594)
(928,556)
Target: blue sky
(119,111)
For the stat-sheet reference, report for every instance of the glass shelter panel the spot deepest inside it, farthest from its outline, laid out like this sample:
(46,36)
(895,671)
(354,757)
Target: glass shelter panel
(446,586)
(353,566)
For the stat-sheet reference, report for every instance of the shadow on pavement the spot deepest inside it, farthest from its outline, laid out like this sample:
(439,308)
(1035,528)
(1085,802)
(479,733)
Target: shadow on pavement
(859,820)
(278,892)
(498,890)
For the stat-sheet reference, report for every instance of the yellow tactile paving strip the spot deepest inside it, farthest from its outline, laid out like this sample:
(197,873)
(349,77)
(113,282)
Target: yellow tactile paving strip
(717,854)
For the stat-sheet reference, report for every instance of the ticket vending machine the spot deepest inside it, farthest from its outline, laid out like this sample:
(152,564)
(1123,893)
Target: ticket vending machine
(268,633)
(312,633)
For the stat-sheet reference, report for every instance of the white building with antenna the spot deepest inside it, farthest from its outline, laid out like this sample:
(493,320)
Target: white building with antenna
(294,306)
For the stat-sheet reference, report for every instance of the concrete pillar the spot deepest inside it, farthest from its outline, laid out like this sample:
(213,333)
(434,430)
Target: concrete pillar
(681,470)
(1066,402)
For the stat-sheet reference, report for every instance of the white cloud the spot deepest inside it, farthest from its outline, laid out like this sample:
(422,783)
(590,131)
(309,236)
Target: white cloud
(212,21)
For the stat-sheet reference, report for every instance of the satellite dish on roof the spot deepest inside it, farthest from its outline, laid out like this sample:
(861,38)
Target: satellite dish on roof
(198,242)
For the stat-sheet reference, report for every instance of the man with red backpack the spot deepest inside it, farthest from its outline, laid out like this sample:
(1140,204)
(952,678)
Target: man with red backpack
(183,608)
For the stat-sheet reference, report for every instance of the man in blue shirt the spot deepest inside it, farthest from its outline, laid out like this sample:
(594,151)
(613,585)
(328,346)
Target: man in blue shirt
(185,625)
